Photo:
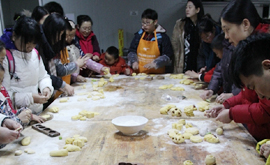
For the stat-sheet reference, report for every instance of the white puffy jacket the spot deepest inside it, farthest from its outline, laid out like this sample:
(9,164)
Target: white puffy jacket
(32,75)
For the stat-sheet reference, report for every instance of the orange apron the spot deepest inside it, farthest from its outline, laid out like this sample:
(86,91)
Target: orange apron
(64,59)
(147,52)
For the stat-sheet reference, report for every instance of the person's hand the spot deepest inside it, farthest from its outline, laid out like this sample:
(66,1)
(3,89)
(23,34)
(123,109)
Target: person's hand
(224,116)
(47,93)
(69,90)
(202,70)
(80,79)
(81,62)
(135,65)
(90,55)
(207,94)
(192,74)
(38,119)
(7,135)
(105,70)
(150,65)
(127,72)
(222,97)
(96,58)
(265,150)
(12,125)
(213,113)
(25,116)
(38,98)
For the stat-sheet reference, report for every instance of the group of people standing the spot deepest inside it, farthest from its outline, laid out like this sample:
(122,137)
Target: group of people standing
(41,55)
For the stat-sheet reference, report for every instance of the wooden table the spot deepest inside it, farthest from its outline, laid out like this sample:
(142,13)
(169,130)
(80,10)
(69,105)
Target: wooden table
(107,146)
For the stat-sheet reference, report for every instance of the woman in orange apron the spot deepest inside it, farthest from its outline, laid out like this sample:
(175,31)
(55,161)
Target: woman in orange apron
(151,49)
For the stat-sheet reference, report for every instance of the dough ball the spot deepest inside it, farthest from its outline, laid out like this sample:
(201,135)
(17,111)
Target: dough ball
(63,100)
(202,106)
(133,74)
(69,140)
(76,117)
(192,130)
(187,162)
(178,139)
(72,148)
(166,86)
(187,135)
(219,131)
(268,142)
(178,89)
(188,125)
(83,118)
(182,121)
(165,109)
(211,138)
(26,141)
(177,126)
(210,160)
(46,117)
(59,153)
(18,152)
(176,112)
(172,132)
(78,142)
(54,109)
(81,99)
(189,110)
(196,139)
(177,76)
(29,151)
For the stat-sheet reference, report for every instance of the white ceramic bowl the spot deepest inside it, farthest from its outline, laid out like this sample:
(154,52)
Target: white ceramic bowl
(129,125)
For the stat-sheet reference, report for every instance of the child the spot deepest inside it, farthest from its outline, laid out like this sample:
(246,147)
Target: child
(30,74)
(250,68)
(8,130)
(150,50)
(52,44)
(116,63)
(217,47)
(75,54)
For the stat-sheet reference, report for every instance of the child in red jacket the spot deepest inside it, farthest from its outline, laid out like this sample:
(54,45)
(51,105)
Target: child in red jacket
(250,68)
(116,63)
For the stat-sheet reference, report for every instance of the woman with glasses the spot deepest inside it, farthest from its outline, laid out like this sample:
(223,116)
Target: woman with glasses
(186,39)
(150,50)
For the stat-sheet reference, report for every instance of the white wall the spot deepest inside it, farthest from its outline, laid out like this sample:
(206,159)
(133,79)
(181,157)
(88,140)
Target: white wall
(110,15)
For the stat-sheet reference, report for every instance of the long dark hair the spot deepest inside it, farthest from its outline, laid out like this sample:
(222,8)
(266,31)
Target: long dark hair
(27,29)
(52,27)
(38,13)
(207,24)
(188,22)
(237,10)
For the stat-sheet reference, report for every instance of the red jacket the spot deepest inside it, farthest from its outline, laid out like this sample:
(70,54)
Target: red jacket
(247,108)
(118,67)
(206,77)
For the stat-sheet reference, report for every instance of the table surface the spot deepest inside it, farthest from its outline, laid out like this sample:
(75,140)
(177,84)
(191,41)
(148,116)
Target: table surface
(106,145)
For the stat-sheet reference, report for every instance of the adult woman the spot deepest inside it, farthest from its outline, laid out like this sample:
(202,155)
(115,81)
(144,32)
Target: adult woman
(239,20)
(186,39)
(150,50)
